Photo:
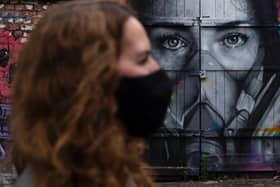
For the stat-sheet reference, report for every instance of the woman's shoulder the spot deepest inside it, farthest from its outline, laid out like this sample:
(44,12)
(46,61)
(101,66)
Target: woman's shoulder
(25,179)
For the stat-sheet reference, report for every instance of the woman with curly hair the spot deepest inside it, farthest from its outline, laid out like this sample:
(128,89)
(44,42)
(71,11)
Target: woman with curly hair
(86,92)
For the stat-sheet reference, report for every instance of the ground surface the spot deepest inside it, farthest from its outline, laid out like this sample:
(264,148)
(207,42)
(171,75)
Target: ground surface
(226,183)
(8,177)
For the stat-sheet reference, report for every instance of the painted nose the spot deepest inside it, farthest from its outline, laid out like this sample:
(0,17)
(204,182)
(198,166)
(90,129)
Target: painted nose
(209,61)
(203,66)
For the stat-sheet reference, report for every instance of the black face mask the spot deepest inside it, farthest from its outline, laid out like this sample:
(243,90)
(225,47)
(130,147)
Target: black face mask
(142,102)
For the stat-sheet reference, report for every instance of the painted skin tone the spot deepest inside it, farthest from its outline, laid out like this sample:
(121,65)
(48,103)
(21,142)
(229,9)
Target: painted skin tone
(225,48)
(228,52)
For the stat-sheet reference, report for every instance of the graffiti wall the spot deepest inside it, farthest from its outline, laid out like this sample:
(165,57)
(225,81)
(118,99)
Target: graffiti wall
(224,56)
(17,19)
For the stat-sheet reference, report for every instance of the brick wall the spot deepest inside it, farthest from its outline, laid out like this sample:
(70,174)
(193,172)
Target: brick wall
(17,19)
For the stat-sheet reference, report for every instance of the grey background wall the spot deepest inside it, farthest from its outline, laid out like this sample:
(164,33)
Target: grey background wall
(224,56)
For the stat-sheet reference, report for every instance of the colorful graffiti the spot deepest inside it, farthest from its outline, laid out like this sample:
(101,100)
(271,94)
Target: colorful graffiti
(17,20)
(12,35)
(226,105)
(10,43)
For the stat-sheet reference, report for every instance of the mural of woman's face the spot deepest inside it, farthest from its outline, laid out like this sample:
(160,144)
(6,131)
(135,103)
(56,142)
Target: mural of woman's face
(219,53)
(208,63)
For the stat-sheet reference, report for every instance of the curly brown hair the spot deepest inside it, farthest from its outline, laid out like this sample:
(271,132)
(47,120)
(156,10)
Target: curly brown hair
(63,120)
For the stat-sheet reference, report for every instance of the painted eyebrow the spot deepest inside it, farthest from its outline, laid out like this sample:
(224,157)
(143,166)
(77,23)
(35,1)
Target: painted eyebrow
(175,31)
(229,25)
(184,26)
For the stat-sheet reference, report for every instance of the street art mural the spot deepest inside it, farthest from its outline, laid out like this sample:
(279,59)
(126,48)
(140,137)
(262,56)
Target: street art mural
(224,55)
(16,22)
(10,42)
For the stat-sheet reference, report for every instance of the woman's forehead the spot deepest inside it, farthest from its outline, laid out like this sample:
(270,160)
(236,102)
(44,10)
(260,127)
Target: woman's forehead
(186,12)
(135,37)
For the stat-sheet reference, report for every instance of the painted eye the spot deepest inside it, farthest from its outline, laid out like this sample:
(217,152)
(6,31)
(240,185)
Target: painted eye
(234,40)
(173,42)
